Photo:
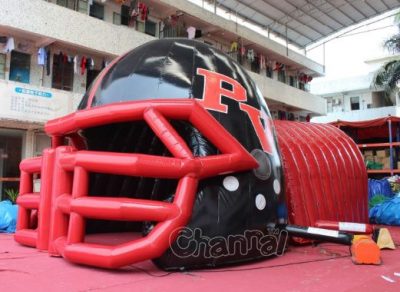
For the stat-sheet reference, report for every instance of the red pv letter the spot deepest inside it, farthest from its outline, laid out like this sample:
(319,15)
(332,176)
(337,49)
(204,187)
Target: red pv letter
(265,136)
(213,90)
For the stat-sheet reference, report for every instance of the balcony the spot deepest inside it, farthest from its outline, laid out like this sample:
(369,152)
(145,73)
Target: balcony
(359,115)
(45,23)
(280,52)
(288,95)
(56,23)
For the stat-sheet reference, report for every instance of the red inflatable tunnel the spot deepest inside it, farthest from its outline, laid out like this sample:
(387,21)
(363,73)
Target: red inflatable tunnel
(324,172)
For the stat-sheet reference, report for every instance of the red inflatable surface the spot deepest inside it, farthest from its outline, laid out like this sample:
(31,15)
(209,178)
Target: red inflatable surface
(324,172)
(63,201)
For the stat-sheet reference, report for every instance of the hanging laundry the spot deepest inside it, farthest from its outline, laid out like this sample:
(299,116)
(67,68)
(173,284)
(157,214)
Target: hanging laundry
(173,19)
(250,55)
(242,51)
(134,14)
(262,61)
(76,65)
(279,66)
(143,10)
(89,64)
(234,46)
(10,45)
(83,65)
(304,78)
(162,25)
(41,59)
(105,63)
(191,32)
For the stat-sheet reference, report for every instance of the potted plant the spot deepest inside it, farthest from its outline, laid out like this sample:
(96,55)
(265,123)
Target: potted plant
(12,195)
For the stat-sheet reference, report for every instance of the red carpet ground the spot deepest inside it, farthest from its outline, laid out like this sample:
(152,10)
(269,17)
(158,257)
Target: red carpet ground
(326,267)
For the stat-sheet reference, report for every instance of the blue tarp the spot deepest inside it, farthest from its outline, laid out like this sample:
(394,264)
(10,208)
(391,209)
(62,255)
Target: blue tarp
(387,213)
(379,187)
(8,216)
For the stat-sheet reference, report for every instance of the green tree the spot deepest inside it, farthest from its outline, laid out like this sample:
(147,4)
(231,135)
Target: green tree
(388,76)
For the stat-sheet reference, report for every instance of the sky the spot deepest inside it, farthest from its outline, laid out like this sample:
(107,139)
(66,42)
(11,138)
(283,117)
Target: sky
(346,54)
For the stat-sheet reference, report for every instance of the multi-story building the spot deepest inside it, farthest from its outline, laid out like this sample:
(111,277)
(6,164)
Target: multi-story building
(51,51)
(357,98)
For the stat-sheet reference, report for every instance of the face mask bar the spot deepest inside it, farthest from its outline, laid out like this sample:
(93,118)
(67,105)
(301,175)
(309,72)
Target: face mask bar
(63,203)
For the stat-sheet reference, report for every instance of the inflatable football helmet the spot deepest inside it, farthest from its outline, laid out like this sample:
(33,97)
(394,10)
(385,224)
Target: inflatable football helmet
(173,141)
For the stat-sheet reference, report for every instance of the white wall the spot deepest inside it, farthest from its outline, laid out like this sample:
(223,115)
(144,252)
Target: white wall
(365,98)
(358,115)
(278,91)
(323,86)
(50,20)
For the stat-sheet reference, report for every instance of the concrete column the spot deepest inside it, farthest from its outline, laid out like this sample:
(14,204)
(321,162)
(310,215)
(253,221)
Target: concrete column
(28,144)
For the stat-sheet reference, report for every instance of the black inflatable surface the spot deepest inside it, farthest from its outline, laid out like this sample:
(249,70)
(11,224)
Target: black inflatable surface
(233,215)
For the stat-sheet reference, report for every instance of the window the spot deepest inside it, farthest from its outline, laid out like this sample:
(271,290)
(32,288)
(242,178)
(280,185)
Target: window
(255,65)
(147,27)
(20,67)
(90,77)
(140,26)
(116,18)
(10,157)
(82,6)
(282,76)
(125,15)
(2,66)
(63,74)
(269,71)
(355,103)
(97,10)
(42,141)
(292,81)
(67,3)
(151,28)
(329,106)
(78,5)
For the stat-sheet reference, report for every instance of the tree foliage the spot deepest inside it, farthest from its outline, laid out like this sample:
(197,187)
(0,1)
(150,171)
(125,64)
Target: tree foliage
(388,76)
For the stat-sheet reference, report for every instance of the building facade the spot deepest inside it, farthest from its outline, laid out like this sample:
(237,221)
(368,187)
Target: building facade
(356,98)
(51,51)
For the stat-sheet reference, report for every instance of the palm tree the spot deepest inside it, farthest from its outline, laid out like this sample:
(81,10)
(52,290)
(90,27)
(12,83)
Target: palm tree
(388,76)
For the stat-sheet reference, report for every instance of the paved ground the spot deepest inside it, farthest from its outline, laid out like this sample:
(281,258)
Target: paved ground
(326,267)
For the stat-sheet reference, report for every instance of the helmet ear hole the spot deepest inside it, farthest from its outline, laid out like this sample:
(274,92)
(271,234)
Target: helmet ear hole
(264,169)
